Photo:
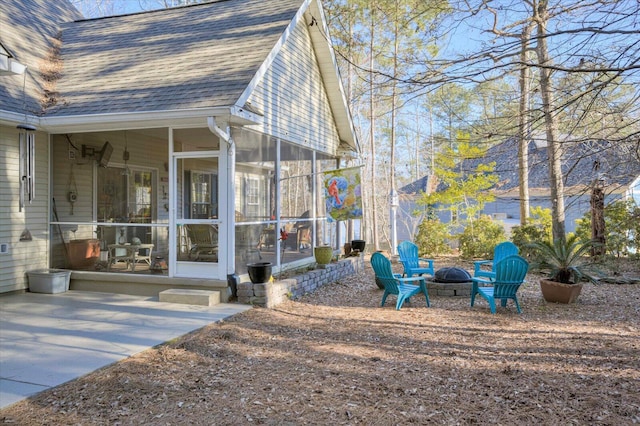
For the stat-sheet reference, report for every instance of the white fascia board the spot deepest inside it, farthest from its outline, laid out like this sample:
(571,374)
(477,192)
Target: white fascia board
(331,75)
(10,118)
(328,69)
(259,75)
(147,119)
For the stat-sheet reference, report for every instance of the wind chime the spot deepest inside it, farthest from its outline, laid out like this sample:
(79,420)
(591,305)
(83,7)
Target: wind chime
(125,156)
(27,163)
(27,169)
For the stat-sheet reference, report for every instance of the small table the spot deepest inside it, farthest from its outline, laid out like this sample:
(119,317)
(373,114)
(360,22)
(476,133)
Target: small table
(131,254)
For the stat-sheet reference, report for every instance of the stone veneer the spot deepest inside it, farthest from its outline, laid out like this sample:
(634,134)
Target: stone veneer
(273,293)
(449,289)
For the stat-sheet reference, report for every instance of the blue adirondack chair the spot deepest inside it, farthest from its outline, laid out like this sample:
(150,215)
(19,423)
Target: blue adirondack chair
(501,251)
(411,263)
(403,288)
(510,273)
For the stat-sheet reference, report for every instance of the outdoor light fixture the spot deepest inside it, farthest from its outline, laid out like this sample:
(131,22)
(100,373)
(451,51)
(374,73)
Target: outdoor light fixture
(27,166)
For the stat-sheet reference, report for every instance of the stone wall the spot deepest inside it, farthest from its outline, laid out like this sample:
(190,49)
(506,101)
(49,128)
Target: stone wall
(273,293)
(449,289)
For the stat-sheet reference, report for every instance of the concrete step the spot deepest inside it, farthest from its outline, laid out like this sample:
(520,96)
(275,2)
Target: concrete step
(190,297)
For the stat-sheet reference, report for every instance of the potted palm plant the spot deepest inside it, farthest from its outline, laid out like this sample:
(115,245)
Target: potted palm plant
(567,264)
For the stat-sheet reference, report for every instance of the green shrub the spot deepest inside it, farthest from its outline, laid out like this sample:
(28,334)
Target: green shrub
(432,238)
(622,226)
(537,229)
(479,238)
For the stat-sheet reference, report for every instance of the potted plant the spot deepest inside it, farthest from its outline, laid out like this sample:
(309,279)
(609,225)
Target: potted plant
(358,245)
(568,264)
(323,254)
(259,272)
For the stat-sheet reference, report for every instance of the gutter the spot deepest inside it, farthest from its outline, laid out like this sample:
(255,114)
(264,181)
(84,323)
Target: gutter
(232,277)
(144,119)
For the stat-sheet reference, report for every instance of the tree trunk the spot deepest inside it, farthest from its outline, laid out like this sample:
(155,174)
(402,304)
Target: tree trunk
(554,146)
(393,208)
(523,126)
(597,221)
(372,117)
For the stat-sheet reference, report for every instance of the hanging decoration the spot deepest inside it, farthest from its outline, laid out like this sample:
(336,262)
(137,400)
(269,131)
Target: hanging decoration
(125,156)
(72,189)
(27,164)
(343,194)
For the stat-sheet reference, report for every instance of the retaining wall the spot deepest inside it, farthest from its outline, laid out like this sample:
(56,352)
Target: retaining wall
(273,293)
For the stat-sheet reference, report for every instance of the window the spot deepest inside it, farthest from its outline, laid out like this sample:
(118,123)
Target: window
(252,189)
(140,199)
(125,197)
(203,193)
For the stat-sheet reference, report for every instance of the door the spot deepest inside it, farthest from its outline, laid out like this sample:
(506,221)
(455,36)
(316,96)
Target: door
(197,216)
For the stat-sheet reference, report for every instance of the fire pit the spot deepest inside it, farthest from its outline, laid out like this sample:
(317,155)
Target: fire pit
(451,282)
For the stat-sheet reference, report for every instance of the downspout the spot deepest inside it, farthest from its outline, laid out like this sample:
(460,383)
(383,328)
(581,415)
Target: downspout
(232,278)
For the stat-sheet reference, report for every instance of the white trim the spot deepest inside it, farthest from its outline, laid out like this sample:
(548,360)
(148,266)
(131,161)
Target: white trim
(10,118)
(339,106)
(329,71)
(259,75)
(127,120)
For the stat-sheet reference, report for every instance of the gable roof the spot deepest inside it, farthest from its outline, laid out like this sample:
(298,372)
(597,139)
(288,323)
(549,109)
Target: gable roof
(190,57)
(190,61)
(26,28)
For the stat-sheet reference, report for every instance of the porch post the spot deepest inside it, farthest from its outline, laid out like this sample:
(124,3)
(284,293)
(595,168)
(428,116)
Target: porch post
(231,203)
(278,203)
(173,200)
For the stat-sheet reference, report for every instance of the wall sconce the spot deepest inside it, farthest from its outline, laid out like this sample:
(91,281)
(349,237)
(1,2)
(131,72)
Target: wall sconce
(27,166)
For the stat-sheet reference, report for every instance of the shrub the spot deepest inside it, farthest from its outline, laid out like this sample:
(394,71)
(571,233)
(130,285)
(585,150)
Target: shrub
(432,238)
(479,238)
(537,229)
(622,223)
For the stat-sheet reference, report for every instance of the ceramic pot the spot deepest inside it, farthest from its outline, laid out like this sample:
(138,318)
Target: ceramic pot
(259,272)
(358,245)
(158,265)
(556,292)
(323,254)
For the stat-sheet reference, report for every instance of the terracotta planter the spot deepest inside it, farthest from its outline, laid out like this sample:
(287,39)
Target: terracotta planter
(259,272)
(556,292)
(323,254)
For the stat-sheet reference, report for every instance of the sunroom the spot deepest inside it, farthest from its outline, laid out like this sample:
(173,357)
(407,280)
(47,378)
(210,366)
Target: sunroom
(186,203)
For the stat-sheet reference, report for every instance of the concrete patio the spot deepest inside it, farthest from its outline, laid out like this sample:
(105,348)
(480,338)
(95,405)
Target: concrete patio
(49,339)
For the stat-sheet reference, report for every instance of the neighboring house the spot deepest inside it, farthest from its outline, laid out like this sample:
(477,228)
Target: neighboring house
(615,167)
(170,146)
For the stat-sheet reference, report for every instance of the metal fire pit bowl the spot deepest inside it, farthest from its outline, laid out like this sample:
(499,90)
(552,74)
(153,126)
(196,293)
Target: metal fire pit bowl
(451,275)
(450,282)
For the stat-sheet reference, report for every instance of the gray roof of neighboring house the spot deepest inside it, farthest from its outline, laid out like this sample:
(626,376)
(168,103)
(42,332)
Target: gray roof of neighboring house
(583,162)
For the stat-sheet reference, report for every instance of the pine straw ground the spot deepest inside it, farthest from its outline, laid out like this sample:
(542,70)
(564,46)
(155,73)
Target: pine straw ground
(335,357)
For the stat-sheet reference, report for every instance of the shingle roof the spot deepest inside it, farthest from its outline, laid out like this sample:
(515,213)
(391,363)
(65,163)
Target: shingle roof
(26,35)
(615,162)
(582,163)
(189,57)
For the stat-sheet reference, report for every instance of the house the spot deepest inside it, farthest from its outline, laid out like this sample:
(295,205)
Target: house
(165,148)
(613,166)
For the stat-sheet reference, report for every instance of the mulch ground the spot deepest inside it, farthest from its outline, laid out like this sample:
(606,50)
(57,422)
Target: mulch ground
(336,357)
